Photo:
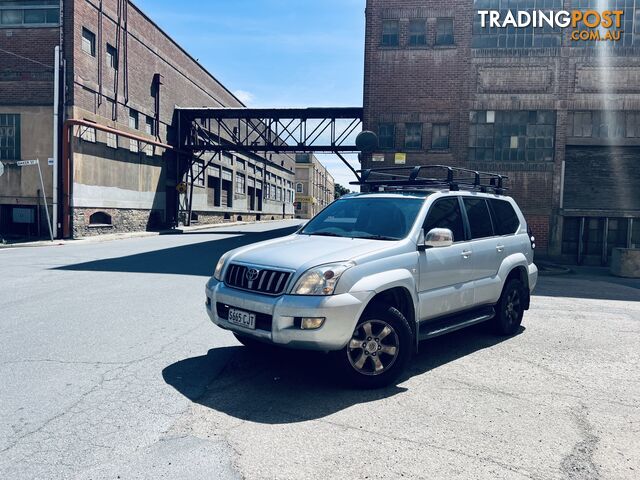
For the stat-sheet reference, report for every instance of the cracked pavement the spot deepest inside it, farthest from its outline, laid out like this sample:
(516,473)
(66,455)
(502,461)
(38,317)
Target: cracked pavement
(110,369)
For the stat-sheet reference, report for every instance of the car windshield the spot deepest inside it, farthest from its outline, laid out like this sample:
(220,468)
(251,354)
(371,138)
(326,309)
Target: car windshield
(381,218)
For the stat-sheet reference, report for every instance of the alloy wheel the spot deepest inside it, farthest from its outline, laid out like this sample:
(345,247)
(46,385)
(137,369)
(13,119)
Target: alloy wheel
(373,348)
(512,306)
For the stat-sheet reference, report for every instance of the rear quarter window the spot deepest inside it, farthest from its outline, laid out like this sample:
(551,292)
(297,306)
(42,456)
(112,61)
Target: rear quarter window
(505,217)
(479,217)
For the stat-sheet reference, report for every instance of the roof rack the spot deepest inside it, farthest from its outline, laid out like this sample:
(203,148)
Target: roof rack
(385,179)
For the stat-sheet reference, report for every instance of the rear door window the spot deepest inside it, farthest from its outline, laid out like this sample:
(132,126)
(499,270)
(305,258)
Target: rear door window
(505,218)
(479,217)
(446,213)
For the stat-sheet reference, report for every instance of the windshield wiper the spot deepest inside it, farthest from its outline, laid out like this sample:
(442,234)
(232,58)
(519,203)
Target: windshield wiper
(377,237)
(323,234)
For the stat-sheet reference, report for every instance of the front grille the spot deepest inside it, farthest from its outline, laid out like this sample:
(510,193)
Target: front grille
(269,282)
(263,321)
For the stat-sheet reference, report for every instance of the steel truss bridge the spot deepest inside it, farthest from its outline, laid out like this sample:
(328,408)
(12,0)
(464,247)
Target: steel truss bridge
(206,133)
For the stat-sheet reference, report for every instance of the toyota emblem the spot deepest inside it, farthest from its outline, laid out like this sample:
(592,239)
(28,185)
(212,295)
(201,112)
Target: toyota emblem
(252,274)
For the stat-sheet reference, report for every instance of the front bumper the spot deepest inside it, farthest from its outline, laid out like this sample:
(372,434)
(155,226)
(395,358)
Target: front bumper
(340,311)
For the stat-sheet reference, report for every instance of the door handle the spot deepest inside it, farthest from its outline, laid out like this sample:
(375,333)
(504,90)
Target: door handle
(466,254)
(500,248)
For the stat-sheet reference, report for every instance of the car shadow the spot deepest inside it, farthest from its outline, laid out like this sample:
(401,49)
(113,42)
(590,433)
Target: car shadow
(279,386)
(197,259)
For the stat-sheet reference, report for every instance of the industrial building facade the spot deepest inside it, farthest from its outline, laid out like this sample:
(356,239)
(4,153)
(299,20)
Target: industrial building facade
(121,71)
(315,187)
(561,118)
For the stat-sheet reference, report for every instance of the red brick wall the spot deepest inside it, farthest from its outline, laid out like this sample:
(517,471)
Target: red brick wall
(539,225)
(26,77)
(149,51)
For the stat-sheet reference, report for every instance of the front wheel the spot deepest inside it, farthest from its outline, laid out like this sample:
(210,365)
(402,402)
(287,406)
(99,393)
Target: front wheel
(510,308)
(379,349)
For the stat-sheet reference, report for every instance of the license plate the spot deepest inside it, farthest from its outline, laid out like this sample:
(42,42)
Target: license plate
(242,318)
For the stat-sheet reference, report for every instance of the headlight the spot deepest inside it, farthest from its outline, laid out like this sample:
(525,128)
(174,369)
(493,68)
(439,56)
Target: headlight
(217,274)
(321,280)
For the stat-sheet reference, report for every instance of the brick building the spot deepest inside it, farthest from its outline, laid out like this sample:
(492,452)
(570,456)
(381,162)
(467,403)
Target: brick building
(560,117)
(315,186)
(121,71)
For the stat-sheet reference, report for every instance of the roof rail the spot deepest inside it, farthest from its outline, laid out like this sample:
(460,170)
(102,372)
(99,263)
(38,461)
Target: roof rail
(386,179)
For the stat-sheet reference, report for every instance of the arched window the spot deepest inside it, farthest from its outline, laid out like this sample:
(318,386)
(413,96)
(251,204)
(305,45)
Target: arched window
(100,218)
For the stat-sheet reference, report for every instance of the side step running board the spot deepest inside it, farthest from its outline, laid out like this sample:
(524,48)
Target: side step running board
(442,326)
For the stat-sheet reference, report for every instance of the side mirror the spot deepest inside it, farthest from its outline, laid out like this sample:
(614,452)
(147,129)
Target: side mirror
(439,238)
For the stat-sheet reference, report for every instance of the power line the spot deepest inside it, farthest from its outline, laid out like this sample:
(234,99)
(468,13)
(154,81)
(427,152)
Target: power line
(26,58)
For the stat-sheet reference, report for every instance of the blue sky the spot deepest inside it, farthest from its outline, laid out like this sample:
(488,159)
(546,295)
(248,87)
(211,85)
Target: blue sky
(278,53)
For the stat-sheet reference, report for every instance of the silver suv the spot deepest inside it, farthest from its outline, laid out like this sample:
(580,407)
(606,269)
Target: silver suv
(375,273)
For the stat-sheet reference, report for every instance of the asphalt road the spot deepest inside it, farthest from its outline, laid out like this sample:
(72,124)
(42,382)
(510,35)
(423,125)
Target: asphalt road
(110,369)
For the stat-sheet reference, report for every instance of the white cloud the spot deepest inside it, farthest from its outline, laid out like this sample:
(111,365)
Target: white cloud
(244,96)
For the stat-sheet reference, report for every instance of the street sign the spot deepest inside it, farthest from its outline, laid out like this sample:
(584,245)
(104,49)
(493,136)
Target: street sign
(50,162)
(1,169)
(26,163)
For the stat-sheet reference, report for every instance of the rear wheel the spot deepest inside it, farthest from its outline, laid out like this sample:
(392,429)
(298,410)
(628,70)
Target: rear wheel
(379,349)
(510,308)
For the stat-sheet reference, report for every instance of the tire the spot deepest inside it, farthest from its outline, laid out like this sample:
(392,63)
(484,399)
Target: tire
(510,308)
(379,350)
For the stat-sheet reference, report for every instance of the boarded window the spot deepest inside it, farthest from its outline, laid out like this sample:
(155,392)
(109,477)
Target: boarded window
(100,218)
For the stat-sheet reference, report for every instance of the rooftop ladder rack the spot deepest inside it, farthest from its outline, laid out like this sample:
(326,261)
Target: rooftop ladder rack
(387,179)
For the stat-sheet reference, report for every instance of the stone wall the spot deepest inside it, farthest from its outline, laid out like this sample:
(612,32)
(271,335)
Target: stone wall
(122,221)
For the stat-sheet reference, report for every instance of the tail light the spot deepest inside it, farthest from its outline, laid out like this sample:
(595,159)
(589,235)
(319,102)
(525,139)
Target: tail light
(532,239)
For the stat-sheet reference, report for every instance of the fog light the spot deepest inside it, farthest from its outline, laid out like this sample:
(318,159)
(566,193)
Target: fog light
(311,323)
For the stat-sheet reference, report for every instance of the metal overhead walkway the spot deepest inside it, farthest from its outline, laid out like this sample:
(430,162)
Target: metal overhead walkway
(254,131)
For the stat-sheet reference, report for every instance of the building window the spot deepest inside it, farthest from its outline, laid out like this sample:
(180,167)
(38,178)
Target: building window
(9,136)
(608,124)
(517,135)
(582,124)
(133,124)
(387,136)
(299,187)
(633,125)
(600,124)
(112,56)
(100,218)
(112,140)
(413,136)
(17,13)
(199,173)
(390,33)
(526,37)
(444,31)
(88,42)
(417,33)
(88,134)
(149,129)
(630,22)
(440,136)
(240,183)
